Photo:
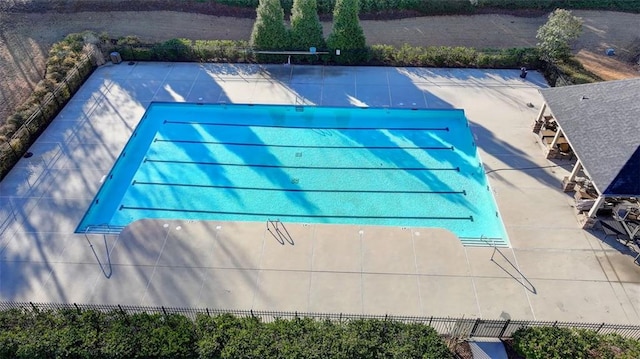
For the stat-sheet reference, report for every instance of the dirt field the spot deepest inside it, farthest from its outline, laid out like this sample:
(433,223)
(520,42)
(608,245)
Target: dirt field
(26,37)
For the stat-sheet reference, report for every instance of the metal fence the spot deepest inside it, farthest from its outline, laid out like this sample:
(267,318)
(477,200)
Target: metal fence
(16,144)
(462,328)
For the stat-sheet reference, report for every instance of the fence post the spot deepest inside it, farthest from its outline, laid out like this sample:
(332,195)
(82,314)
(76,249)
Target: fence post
(208,315)
(77,308)
(164,311)
(13,149)
(600,327)
(504,328)
(8,142)
(475,326)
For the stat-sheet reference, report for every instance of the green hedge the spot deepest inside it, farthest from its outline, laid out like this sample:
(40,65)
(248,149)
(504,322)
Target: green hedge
(561,343)
(442,56)
(619,5)
(132,49)
(67,68)
(93,334)
(562,73)
(438,7)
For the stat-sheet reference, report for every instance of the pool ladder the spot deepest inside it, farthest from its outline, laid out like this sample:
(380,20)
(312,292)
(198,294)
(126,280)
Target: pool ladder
(103,229)
(279,231)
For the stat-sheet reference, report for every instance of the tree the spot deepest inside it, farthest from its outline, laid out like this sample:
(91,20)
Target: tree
(268,31)
(556,33)
(306,29)
(347,35)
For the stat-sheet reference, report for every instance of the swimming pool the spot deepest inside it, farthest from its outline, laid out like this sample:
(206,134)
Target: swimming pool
(396,167)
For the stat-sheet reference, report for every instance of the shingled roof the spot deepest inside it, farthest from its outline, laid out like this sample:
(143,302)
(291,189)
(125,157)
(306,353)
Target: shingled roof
(601,122)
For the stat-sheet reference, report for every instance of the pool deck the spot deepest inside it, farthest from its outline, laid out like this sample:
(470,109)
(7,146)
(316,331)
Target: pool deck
(553,271)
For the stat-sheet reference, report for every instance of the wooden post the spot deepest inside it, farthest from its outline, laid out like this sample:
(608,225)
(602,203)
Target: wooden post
(575,171)
(589,220)
(552,151)
(596,206)
(541,112)
(568,183)
(554,142)
(537,124)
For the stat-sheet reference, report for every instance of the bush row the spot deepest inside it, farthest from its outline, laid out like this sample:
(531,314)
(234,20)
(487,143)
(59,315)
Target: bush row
(439,7)
(66,69)
(560,343)
(442,56)
(132,49)
(567,72)
(93,334)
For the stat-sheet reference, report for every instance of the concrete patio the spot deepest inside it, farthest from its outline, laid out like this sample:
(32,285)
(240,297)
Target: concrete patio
(553,271)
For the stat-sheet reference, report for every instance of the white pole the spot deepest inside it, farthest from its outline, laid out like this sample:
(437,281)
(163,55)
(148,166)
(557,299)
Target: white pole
(554,142)
(541,113)
(575,171)
(596,206)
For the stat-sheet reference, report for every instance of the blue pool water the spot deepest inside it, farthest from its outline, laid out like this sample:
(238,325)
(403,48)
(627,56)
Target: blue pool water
(397,167)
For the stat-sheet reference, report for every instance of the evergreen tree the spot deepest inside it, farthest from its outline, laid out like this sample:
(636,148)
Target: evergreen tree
(306,29)
(347,35)
(269,32)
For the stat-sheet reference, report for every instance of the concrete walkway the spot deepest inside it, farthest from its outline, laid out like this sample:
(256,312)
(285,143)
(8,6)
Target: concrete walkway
(554,270)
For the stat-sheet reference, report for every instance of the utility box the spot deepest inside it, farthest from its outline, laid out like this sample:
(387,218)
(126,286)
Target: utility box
(115,57)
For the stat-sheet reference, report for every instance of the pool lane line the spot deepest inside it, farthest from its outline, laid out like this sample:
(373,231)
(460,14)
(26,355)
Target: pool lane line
(310,146)
(457,169)
(463,192)
(306,127)
(271,215)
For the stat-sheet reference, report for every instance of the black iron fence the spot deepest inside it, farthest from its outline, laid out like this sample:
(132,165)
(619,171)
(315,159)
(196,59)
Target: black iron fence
(462,328)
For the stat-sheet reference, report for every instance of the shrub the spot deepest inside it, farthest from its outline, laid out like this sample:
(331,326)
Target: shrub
(548,342)
(173,50)
(186,50)
(347,35)
(306,29)
(129,41)
(220,50)
(143,335)
(269,32)
(551,343)
(92,334)
(214,333)
(442,56)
